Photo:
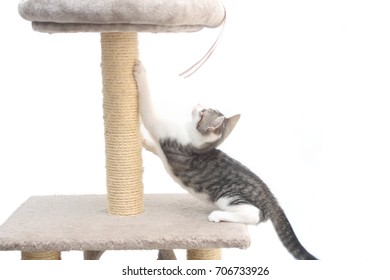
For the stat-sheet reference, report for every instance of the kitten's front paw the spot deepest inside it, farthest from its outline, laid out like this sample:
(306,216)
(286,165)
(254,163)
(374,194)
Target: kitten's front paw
(215,216)
(149,145)
(139,69)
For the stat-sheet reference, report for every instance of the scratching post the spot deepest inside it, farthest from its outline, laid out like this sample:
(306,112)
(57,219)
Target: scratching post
(43,227)
(122,124)
(48,255)
(204,254)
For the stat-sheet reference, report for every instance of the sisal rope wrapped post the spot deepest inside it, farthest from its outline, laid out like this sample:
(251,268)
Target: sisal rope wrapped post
(204,254)
(122,124)
(47,255)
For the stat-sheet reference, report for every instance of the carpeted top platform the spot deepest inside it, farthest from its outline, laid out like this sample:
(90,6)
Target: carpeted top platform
(58,16)
(63,223)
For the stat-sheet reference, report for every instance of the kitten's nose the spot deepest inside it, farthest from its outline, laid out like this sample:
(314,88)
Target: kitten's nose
(201,107)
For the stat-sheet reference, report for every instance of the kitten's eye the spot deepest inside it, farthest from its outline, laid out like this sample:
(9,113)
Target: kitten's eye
(202,112)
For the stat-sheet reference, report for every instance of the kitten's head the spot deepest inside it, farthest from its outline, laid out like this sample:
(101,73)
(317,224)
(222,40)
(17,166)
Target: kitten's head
(212,125)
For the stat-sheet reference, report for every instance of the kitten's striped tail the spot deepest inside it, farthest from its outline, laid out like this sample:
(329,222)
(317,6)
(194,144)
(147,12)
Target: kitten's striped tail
(287,236)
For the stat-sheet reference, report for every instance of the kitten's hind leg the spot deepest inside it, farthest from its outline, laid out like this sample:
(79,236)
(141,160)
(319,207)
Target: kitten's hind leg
(242,213)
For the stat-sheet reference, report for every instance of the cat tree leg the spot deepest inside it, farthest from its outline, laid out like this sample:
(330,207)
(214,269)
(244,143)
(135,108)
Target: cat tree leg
(164,255)
(92,255)
(122,124)
(204,254)
(47,255)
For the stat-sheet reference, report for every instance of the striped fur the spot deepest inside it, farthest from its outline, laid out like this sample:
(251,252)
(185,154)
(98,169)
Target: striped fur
(219,176)
(190,155)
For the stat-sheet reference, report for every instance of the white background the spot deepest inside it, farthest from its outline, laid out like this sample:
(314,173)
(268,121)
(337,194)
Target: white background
(309,78)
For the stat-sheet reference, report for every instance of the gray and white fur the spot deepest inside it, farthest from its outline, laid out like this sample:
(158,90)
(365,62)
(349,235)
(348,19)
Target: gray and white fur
(190,155)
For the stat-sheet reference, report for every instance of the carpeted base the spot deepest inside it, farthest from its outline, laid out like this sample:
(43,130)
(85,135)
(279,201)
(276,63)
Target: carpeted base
(63,223)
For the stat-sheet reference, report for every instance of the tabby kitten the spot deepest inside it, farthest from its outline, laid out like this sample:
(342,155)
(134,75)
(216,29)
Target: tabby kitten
(189,155)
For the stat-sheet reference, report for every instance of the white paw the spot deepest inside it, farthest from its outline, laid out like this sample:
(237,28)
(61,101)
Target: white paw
(139,69)
(149,145)
(215,216)
(145,143)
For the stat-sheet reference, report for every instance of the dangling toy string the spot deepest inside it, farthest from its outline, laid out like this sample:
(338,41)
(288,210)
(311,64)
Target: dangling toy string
(190,71)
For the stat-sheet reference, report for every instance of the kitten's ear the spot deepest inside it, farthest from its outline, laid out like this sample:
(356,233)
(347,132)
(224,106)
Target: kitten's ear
(216,124)
(230,124)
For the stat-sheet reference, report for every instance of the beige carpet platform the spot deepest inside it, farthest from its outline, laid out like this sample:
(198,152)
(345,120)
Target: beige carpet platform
(58,16)
(64,223)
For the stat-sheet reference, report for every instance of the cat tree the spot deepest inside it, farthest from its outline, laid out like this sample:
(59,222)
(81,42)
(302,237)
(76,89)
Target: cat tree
(125,219)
